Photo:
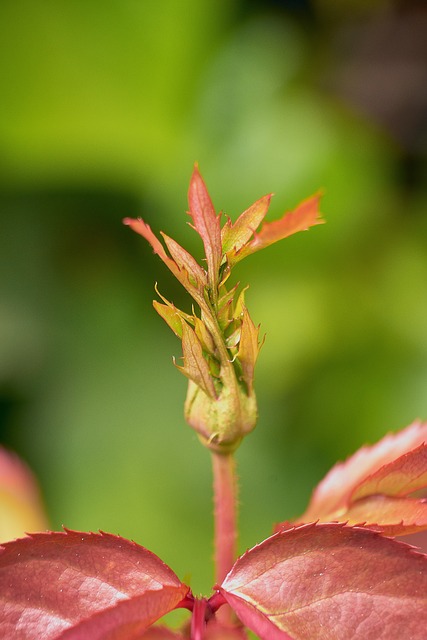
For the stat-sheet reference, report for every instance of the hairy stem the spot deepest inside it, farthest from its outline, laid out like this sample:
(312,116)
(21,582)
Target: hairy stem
(225,513)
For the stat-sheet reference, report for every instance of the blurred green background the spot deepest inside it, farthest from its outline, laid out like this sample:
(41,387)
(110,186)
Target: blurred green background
(104,108)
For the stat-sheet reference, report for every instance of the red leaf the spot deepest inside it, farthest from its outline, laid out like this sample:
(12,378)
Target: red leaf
(392,516)
(186,262)
(206,223)
(330,581)
(127,620)
(21,506)
(402,476)
(70,584)
(380,462)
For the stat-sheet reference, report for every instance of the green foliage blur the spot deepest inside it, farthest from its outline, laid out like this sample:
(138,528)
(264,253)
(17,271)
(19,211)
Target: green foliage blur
(104,108)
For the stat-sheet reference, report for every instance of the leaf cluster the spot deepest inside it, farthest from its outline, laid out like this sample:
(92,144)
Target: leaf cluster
(325,576)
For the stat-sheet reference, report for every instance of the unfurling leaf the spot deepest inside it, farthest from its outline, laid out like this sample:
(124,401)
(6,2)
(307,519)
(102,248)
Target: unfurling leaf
(186,262)
(383,476)
(248,349)
(303,217)
(75,586)
(195,366)
(21,507)
(186,270)
(207,224)
(392,516)
(402,476)
(330,581)
(234,236)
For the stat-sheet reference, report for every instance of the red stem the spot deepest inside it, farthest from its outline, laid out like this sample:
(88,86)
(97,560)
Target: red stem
(198,619)
(225,513)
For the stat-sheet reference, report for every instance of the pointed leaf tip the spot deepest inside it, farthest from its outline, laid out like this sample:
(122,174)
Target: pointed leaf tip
(248,348)
(182,264)
(206,223)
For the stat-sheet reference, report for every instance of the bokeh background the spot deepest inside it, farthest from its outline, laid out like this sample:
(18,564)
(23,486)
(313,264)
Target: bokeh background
(104,108)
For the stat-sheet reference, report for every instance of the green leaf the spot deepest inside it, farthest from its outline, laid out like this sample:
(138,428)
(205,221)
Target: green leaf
(170,316)
(225,308)
(234,236)
(248,349)
(195,366)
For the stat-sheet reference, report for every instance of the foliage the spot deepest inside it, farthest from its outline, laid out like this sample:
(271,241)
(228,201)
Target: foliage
(337,572)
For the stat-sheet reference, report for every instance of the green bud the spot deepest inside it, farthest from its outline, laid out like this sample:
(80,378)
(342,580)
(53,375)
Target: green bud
(222,422)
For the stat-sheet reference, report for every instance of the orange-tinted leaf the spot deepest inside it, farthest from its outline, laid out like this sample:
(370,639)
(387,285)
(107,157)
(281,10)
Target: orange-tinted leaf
(206,223)
(392,516)
(234,236)
(303,217)
(191,281)
(80,586)
(21,507)
(186,262)
(330,582)
(333,494)
(402,476)
(195,366)
(144,230)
